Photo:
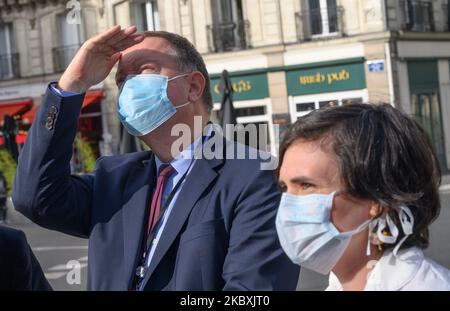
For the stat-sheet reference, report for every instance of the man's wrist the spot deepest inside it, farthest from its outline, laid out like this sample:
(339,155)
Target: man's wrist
(71,85)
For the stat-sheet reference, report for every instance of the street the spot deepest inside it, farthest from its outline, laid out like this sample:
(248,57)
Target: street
(54,250)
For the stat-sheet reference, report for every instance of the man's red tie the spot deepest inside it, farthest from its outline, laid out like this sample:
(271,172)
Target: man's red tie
(164,173)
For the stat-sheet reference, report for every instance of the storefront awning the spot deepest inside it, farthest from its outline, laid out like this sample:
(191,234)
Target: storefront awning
(14,107)
(92,97)
(28,117)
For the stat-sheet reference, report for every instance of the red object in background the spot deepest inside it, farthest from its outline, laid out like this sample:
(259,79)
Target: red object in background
(91,97)
(20,139)
(14,107)
(28,117)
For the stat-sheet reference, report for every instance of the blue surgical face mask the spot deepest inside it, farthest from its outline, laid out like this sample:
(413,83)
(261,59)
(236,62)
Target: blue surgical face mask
(144,104)
(306,232)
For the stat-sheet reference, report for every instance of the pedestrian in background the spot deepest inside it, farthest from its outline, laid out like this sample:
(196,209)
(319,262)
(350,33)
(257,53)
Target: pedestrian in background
(361,188)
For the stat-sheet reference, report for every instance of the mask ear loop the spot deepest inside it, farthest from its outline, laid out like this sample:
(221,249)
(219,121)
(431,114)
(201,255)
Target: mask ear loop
(372,226)
(407,221)
(382,222)
(174,78)
(182,105)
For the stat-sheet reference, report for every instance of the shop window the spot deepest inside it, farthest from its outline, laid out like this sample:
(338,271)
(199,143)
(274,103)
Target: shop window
(347,101)
(256,118)
(328,103)
(262,139)
(303,108)
(251,111)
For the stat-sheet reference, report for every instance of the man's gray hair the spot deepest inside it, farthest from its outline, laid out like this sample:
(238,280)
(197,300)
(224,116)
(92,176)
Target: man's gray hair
(189,59)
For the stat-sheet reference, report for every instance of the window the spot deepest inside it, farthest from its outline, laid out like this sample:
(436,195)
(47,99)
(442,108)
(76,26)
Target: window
(419,15)
(8,59)
(70,38)
(229,31)
(255,113)
(427,112)
(302,105)
(323,17)
(146,15)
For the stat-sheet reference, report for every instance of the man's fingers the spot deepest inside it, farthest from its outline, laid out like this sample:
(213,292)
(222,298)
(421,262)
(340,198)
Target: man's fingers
(121,35)
(114,58)
(128,42)
(103,37)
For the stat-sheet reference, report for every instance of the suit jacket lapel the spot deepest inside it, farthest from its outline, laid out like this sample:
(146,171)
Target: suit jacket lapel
(201,175)
(138,188)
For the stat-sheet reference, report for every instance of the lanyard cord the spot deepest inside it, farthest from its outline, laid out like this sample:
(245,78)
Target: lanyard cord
(145,248)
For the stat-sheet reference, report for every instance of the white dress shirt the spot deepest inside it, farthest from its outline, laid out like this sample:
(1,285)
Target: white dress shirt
(410,270)
(183,163)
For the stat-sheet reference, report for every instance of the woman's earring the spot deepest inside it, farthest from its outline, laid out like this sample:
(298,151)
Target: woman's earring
(376,241)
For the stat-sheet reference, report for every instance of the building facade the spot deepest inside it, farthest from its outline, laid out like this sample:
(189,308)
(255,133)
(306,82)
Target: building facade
(285,57)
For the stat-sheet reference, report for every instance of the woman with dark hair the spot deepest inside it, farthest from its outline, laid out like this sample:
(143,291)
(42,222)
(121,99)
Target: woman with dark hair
(360,189)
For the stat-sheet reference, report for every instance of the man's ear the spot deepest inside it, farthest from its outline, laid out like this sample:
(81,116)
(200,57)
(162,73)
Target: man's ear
(196,86)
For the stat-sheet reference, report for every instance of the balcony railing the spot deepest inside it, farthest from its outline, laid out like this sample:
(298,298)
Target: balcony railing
(63,55)
(226,37)
(418,15)
(9,66)
(320,23)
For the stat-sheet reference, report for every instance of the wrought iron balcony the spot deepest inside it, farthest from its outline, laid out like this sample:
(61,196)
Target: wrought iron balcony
(63,55)
(320,23)
(226,37)
(9,66)
(418,15)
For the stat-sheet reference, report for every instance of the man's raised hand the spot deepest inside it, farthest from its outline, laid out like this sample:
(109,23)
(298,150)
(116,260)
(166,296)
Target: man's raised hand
(96,57)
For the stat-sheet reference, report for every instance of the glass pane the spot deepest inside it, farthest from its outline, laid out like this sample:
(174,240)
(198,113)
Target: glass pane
(328,103)
(252,111)
(314,4)
(4,39)
(426,111)
(305,107)
(332,16)
(70,33)
(259,141)
(347,101)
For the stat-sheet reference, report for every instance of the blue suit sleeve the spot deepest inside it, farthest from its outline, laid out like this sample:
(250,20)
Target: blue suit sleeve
(255,259)
(61,93)
(43,189)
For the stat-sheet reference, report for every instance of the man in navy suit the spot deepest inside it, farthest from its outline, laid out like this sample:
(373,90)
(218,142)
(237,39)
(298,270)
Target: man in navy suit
(19,269)
(159,220)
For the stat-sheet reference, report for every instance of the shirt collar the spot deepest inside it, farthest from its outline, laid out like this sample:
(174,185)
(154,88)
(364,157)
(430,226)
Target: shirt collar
(391,272)
(183,160)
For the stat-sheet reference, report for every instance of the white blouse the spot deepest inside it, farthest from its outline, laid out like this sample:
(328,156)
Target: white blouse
(410,270)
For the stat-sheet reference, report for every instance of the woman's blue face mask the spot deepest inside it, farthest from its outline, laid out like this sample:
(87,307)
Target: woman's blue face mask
(144,104)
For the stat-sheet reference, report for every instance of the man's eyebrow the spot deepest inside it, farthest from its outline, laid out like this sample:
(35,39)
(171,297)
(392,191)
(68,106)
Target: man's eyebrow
(302,180)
